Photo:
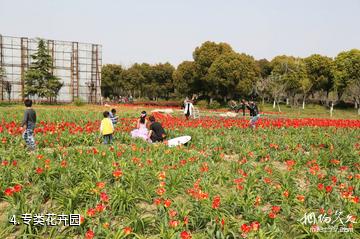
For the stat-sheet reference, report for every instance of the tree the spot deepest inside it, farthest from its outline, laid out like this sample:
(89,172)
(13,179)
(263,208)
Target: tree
(346,70)
(112,82)
(277,87)
(134,79)
(233,73)
(39,79)
(262,84)
(305,87)
(320,73)
(204,56)
(291,71)
(265,68)
(162,80)
(186,80)
(354,91)
(262,88)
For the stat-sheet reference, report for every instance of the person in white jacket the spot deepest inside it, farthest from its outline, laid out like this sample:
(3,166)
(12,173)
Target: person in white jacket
(189,107)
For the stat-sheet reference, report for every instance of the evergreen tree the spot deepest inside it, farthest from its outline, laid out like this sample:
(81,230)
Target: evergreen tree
(39,79)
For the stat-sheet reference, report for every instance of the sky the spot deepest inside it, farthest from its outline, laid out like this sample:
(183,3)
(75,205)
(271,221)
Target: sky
(158,31)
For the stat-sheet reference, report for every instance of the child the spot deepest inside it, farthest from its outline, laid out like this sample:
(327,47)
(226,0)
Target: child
(156,132)
(141,131)
(113,116)
(106,128)
(28,123)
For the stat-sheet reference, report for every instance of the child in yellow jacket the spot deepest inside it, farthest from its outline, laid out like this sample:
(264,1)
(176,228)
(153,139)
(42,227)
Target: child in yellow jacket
(107,128)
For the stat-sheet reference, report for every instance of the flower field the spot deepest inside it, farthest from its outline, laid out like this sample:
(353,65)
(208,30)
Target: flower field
(286,179)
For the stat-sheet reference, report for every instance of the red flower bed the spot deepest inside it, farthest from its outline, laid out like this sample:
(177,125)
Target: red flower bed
(159,103)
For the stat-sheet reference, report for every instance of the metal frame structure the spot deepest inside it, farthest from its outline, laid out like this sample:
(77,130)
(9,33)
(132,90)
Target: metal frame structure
(78,65)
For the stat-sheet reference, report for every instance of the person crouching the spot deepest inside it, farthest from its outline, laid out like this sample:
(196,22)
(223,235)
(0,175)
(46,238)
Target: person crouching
(156,131)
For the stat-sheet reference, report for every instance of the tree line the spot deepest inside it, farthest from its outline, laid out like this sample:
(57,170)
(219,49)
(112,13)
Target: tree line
(217,72)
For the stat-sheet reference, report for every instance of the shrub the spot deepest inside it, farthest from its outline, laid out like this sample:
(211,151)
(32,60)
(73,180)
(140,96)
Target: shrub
(78,102)
(202,103)
(214,105)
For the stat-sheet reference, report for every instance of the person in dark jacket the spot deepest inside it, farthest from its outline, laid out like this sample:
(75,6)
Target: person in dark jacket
(28,123)
(254,113)
(243,106)
(156,131)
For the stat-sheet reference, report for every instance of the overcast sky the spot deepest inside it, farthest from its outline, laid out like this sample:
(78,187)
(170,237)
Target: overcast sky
(156,31)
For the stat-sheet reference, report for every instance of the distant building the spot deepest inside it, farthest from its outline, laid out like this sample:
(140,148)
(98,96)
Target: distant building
(78,65)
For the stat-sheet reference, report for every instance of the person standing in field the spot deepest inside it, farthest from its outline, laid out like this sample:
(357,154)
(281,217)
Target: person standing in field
(254,113)
(156,131)
(28,123)
(243,106)
(113,117)
(189,107)
(107,128)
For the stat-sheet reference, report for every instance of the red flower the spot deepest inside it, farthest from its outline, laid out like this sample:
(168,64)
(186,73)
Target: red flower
(301,198)
(320,186)
(91,212)
(275,209)
(40,156)
(204,167)
(255,225)
(89,234)
(216,202)
(127,230)
(334,179)
(173,223)
(39,170)
(63,164)
(355,199)
(160,191)
(104,197)
(157,201)
(167,203)
(117,173)
(286,193)
(267,180)
(328,189)
(9,192)
(162,175)
(100,207)
(172,213)
(186,220)
(257,201)
(222,222)
(272,215)
(185,235)
(245,228)
(17,188)
(100,185)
